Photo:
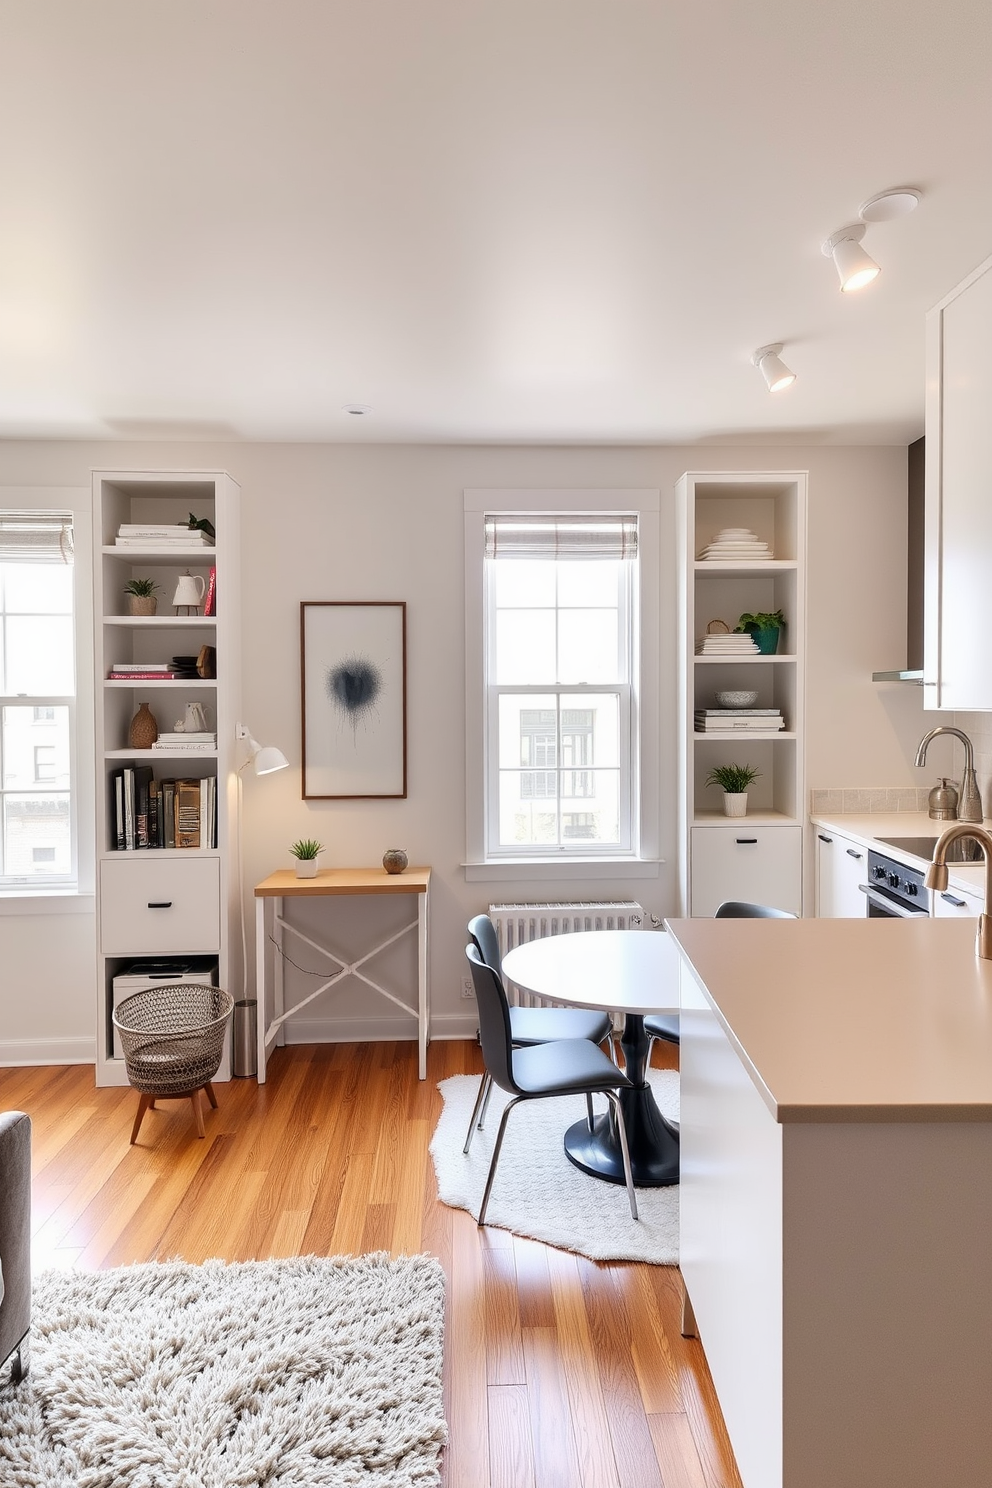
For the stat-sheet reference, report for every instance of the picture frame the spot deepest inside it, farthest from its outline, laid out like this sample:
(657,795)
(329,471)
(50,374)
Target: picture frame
(353,693)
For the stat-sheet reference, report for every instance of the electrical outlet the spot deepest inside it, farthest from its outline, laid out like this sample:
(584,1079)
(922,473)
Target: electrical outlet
(468,989)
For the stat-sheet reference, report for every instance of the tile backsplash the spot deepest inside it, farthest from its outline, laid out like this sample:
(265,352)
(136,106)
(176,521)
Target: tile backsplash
(865,800)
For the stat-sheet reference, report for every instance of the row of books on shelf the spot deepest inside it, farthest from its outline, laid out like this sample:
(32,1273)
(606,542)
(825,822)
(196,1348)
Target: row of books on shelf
(148,813)
(738,720)
(202,666)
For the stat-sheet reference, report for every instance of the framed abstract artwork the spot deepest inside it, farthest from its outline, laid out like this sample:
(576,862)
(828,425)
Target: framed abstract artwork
(353,658)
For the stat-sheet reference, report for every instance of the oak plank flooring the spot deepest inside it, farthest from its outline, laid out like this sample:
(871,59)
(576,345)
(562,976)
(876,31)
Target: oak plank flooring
(560,1372)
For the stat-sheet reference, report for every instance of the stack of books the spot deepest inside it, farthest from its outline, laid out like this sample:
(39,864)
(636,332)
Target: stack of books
(160,535)
(147,813)
(187,743)
(738,720)
(142,671)
(727,643)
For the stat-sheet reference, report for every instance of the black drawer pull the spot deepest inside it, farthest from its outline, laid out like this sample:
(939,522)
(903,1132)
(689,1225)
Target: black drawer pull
(160,904)
(746,841)
(950,899)
(824,839)
(852,852)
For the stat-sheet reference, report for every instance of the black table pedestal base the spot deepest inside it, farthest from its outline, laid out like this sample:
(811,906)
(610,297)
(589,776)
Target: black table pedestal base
(653,1141)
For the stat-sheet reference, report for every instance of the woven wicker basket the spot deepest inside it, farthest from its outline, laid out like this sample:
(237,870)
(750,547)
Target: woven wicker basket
(173,1036)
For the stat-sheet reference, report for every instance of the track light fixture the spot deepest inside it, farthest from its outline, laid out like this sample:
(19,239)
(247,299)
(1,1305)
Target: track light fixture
(772,367)
(854,267)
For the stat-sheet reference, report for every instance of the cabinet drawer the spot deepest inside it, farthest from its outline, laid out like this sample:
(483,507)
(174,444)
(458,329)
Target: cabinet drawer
(157,906)
(761,865)
(953,904)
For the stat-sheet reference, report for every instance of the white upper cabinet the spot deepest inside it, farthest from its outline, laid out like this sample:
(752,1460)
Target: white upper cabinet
(957,668)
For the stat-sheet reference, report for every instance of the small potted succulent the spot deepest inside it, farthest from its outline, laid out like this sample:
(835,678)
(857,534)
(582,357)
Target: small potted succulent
(764,629)
(306,852)
(733,780)
(141,596)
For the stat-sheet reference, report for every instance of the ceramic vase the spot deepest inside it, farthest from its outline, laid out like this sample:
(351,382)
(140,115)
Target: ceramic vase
(735,803)
(144,730)
(306,867)
(394,860)
(141,604)
(766,638)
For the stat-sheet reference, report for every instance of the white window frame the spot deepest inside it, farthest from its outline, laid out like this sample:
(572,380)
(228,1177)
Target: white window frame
(21,897)
(640,859)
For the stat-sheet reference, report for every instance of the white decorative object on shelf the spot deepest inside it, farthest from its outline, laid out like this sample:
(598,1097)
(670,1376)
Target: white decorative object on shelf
(736,545)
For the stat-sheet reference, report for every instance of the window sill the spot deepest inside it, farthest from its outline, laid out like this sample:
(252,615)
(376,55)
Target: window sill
(548,870)
(33,901)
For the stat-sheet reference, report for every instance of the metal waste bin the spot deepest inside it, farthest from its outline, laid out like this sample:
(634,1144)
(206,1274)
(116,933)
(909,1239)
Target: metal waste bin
(245,1052)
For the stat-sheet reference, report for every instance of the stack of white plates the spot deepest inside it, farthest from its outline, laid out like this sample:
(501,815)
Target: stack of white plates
(726,644)
(736,545)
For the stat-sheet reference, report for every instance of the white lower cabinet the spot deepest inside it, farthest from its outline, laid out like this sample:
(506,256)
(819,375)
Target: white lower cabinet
(159,906)
(953,904)
(760,865)
(841,866)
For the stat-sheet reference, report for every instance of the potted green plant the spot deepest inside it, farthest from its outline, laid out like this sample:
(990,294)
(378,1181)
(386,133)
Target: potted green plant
(306,852)
(141,596)
(764,628)
(733,780)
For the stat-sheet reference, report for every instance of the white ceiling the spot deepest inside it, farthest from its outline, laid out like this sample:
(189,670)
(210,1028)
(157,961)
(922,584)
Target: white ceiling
(489,220)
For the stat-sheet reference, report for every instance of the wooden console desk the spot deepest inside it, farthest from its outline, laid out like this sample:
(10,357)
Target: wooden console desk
(270,895)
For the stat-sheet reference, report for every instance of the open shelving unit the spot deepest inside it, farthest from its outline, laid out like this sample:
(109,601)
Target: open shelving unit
(170,904)
(758,857)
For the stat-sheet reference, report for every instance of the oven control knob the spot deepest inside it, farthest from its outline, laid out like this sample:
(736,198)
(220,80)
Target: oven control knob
(893,880)
(912,890)
(879,872)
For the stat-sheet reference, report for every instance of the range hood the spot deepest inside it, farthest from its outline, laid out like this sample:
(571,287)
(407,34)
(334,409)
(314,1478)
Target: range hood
(913,670)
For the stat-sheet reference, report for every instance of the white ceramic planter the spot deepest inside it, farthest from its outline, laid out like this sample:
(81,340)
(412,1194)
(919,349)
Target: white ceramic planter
(735,803)
(306,867)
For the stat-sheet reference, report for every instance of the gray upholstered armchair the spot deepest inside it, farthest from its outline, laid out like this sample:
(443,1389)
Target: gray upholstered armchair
(15,1240)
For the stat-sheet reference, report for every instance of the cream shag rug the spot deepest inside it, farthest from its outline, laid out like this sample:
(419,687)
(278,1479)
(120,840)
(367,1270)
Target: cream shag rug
(298,1372)
(537,1191)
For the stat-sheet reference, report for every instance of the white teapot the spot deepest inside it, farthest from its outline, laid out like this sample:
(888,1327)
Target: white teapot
(189,592)
(195,721)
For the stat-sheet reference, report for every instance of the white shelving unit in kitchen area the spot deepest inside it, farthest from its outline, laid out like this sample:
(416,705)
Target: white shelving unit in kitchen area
(170,904)
(758,857)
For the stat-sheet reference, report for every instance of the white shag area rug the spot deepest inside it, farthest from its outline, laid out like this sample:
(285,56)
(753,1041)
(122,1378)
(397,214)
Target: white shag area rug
(287,1374)
(537,1191)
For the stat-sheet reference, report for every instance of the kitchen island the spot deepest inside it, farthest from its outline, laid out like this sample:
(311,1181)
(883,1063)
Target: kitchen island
(836,1195)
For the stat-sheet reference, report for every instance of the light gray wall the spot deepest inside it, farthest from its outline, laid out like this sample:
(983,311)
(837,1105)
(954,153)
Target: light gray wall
(385,522)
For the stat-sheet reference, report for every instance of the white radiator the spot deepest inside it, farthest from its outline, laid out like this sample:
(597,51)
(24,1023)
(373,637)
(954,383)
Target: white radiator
(517,923)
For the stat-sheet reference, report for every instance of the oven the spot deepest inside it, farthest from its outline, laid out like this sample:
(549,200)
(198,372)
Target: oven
(894,891)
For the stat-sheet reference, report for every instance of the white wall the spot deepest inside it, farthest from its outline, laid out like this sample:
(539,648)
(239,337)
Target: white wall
(385,522)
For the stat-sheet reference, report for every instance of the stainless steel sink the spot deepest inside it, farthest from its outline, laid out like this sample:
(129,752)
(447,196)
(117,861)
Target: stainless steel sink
(964,851)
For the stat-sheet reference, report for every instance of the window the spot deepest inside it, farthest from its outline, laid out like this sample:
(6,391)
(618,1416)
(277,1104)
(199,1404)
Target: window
(37,699)
(559,644)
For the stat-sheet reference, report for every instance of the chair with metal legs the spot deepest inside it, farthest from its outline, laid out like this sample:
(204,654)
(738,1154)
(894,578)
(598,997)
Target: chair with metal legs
(562,1067)
(531,1025)
(665,1026)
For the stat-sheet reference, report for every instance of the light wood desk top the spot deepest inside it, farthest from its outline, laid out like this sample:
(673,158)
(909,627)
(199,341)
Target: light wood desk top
(284,884)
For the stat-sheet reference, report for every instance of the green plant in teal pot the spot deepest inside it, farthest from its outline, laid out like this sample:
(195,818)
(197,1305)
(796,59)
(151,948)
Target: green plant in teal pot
(764,628)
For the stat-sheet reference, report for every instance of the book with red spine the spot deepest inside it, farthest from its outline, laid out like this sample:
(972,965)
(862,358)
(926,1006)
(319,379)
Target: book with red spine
(210,600)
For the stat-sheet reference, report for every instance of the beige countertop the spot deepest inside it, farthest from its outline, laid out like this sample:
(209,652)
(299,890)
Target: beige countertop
(852,1020)
(868,829)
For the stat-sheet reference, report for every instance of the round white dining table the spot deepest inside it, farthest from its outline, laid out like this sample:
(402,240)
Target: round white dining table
(622,971)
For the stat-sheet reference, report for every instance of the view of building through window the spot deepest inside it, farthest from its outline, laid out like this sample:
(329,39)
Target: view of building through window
(36,697)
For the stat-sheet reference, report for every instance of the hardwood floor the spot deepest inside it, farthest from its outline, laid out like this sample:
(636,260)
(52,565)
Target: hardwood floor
(560,1372)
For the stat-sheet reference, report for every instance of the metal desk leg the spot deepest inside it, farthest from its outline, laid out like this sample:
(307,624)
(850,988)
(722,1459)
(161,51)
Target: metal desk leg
(423,1016)
(261,914)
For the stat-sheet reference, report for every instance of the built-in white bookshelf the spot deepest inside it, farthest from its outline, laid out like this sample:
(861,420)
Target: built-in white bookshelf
(166,903)
(758,857)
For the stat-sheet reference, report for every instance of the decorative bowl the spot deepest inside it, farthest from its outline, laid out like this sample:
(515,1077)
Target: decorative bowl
(736,699)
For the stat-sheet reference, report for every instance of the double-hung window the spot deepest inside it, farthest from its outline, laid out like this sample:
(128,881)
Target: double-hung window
(560,660)
(37,700)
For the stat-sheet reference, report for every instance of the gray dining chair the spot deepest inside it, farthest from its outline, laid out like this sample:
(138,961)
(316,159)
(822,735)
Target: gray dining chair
(665,1026)
(532,1025)
(539,1071)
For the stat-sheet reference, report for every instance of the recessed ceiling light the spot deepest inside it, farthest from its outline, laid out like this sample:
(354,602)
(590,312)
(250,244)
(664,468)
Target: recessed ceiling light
(772,368)
(357,409)
(889,204)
